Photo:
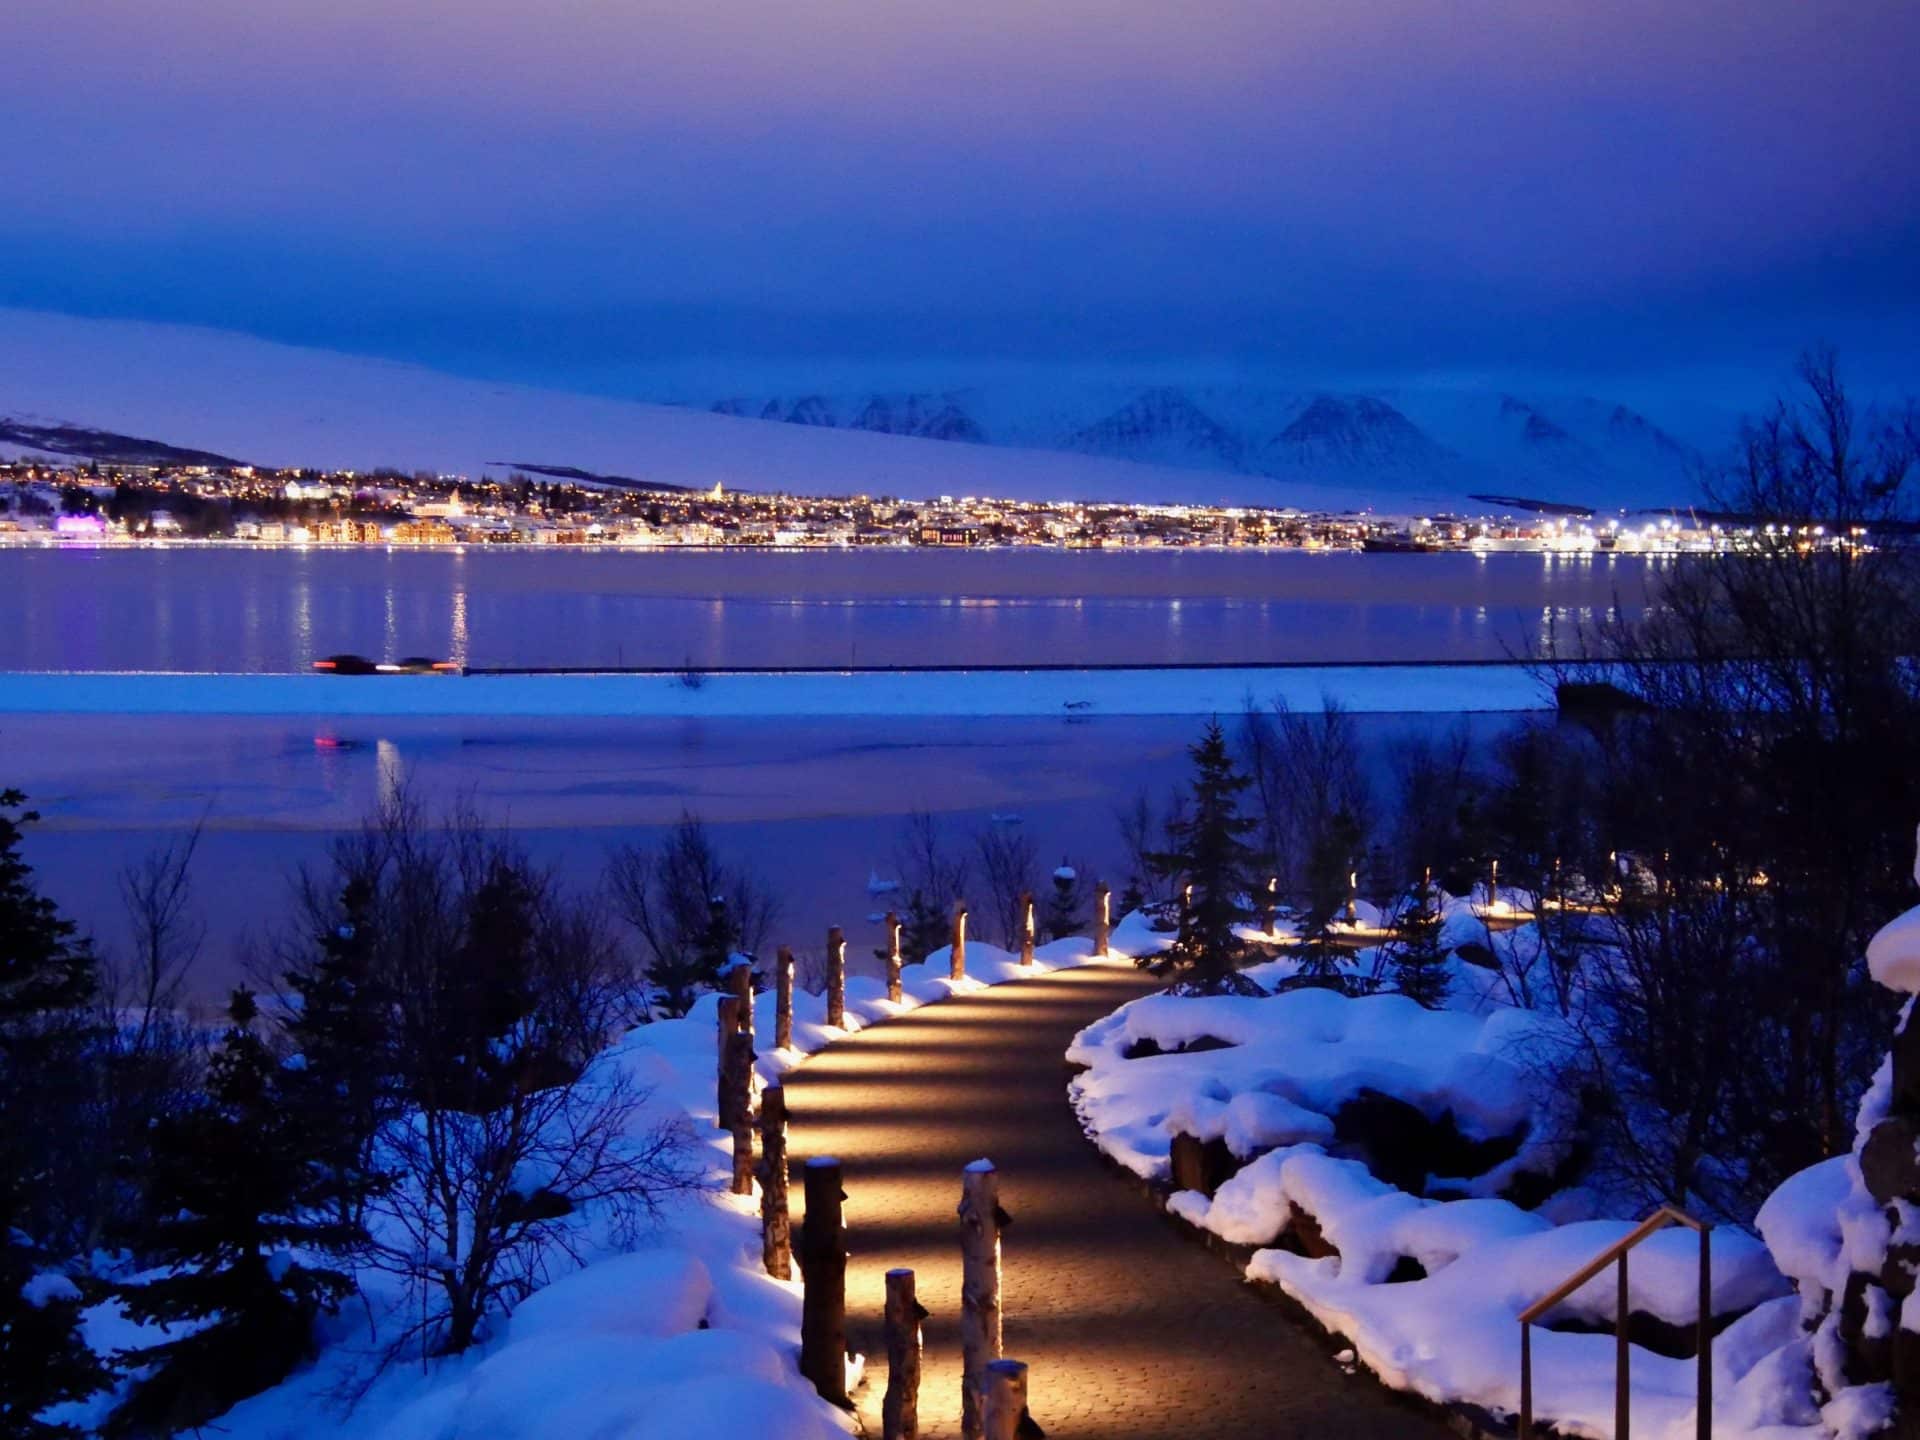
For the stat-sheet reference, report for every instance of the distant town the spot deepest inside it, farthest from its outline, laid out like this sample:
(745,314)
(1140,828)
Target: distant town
(51,503)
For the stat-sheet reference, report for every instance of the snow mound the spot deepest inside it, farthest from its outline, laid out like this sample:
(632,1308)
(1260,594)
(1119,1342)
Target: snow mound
(1428,1291)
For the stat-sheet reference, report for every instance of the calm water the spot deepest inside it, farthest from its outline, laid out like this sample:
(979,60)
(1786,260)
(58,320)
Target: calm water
(275,610)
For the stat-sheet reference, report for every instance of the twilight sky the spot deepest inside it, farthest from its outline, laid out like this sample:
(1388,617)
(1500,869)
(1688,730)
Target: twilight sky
(594,192)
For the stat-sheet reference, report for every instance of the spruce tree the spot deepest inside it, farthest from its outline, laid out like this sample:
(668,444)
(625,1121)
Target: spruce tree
(235,1200)
(1419,963)
(1209,864)
(1066,904)
(339,1077)
(44,1359)
(1330,861)
(47,1038)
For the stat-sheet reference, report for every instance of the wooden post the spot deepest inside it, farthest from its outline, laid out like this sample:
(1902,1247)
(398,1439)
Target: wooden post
(1005,1404)
(957,966)
(823,1269)
(1102,919)
(1703,1395)
(776,1224)
(900,1410)
(783,1000)
(836,978)
(1622,1356)
(736,1080)
(981,1219)
(1026,927)
(723,1060)
(893,957)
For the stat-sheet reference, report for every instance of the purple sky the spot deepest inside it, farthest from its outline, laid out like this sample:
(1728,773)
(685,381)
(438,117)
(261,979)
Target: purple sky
(576,188)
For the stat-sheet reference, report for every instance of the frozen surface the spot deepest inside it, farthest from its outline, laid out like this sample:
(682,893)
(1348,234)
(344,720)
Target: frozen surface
(1448,689)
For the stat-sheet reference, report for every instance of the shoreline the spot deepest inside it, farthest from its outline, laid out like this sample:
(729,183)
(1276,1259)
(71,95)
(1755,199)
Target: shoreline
(1070,693)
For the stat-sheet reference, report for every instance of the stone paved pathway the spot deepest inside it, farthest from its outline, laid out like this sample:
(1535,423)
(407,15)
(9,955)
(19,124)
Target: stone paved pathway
(1131,1329)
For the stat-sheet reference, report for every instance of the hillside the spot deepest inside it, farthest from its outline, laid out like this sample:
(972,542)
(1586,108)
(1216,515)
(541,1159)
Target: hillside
(110,389)
(1443,439)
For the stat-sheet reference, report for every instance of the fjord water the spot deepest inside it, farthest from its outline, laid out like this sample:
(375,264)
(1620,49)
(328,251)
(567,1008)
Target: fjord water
(240,609)
(814,806)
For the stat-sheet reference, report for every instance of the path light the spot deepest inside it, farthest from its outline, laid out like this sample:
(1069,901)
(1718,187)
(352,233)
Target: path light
(1353,897)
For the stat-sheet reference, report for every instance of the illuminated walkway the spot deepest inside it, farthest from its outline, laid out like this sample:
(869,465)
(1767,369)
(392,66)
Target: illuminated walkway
(1130,1328)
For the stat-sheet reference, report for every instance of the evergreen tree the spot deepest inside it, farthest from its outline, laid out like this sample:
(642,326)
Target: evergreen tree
(339,1077)
(235,1200)
(1418,960)
(1066,904)
(47,1034)
(925,926)
(44,1360)
(1209,863)
(1330,865)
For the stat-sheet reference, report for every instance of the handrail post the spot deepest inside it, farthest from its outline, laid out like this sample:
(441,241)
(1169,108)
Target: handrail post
(1622,1352)
(1703,1402)
(1526,1381)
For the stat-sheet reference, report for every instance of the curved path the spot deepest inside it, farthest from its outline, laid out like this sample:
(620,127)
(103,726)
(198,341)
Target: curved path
(1131,1329)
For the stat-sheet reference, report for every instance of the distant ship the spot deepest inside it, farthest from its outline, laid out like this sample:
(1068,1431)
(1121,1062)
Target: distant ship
(1402,544)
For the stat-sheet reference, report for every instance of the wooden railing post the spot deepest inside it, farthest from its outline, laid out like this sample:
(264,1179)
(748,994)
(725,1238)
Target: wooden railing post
(1006,1399)
(1102,919)
(900,1410)
(957,965)
(893,957)
(783,1000)
(776,1224)
(836,978)
(823,1271)
(1703,1399)
(981,1220)
(1622,1357)
(1616,1254)
(1526,1381)
(1026,927)
(736,1084)
(728,1013)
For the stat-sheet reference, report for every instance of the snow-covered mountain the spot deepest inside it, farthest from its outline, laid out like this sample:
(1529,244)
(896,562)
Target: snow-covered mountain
(104,388)
(1455,439)
(110,388)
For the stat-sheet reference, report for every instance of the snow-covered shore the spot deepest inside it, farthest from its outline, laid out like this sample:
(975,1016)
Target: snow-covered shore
(1375,689)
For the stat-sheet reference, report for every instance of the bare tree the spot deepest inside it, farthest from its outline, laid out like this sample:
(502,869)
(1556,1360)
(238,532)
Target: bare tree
(513,1134)
(1435,787)
(690,909)
(934,876)
(1144,833)
(153,1052)
(1772,723)
(1322,786)
(1008,862)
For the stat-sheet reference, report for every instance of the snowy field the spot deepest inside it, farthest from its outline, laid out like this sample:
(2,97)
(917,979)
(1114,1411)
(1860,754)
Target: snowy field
(1412,689)
(684,1335)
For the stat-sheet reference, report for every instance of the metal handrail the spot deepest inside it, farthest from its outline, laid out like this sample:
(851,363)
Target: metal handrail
(1617,1253)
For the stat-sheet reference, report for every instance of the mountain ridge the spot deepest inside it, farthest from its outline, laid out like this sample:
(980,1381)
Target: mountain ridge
(1575,449)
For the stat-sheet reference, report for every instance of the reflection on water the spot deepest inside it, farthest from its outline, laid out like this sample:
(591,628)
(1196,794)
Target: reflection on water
(275,610)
